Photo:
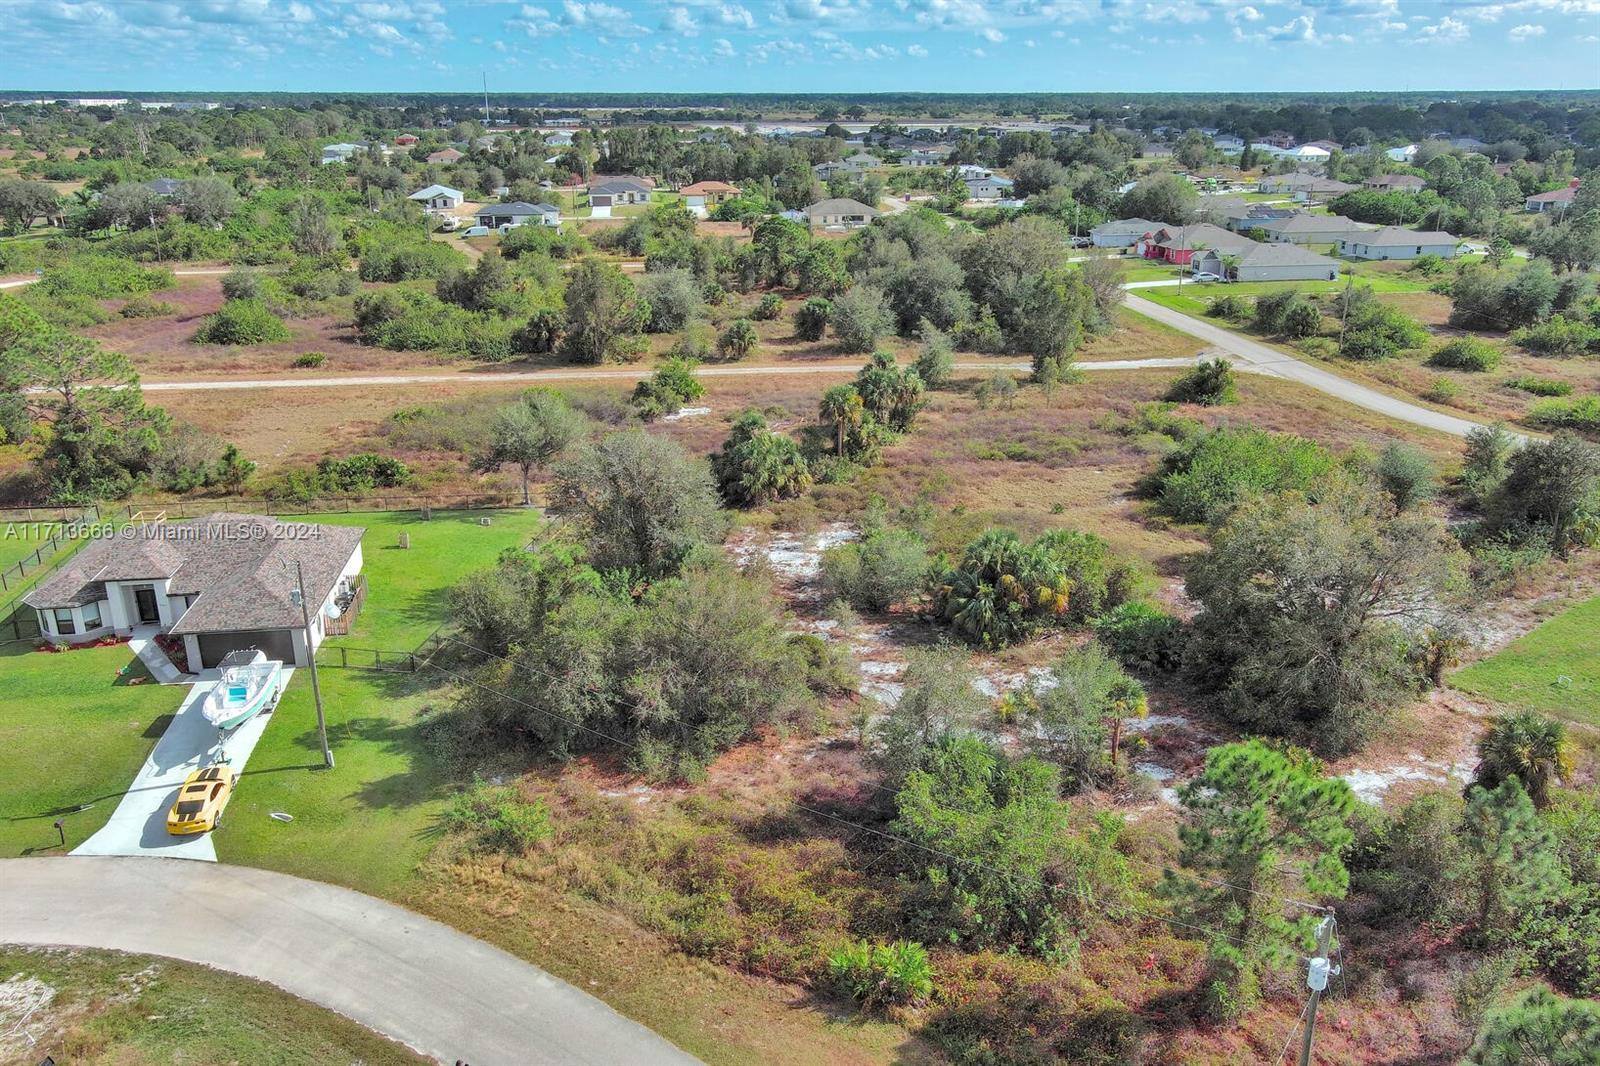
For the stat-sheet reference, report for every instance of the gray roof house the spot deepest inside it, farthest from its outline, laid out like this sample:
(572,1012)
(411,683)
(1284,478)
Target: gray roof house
(840,214)
(1396,183)
(623,189)
(222,583)
(517,214)
(1200,235)
(1268,262)
(923,157)
(341,152)
(1392,242)
(1122,233)
(165,187)
(992,187)
(438,198)
(1308,229)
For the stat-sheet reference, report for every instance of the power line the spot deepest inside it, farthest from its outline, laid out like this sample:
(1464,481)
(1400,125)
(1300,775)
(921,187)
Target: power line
(1288,1040)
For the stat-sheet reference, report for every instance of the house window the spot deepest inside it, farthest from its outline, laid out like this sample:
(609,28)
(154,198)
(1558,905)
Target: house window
(91,616)
(64,625)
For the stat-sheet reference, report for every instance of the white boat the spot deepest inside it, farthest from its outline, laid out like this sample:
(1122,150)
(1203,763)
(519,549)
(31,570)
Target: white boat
(250,682)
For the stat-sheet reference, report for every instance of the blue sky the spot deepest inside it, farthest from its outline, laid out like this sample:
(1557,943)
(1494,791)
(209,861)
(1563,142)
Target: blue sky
(799,45)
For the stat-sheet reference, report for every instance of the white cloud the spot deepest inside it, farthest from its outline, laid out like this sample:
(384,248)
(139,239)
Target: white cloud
(992,35)
(735,15)
(1245,14)
(916,51)
(722,48)
(678,20)
(1525,32)
(1446,31)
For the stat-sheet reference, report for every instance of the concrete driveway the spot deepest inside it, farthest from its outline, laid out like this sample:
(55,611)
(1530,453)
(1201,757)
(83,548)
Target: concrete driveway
(139,824)
(398,973)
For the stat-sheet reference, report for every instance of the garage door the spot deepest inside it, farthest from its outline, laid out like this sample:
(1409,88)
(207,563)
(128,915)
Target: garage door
(275,642)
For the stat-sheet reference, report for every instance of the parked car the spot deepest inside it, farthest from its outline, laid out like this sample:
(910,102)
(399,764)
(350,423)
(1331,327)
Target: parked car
(476,231)
(449,223)
(1206,275)
(1081,242)
(198,808)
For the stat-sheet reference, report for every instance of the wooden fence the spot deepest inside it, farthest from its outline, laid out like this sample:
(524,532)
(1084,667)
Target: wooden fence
(340,627)
(181,509)
(345,657)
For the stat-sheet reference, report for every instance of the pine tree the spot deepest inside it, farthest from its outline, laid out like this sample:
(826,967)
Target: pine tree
(1510,857)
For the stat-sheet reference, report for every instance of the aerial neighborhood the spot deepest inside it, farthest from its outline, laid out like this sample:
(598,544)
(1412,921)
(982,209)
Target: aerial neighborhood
(506,572)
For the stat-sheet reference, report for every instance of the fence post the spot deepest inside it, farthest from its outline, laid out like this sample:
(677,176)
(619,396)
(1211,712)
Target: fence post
(344,656)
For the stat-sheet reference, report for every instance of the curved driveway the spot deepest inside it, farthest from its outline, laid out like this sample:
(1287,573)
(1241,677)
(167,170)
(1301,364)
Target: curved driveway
(410,978)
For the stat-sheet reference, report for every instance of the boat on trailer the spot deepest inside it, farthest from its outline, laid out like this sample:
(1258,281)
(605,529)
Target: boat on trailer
(250,683)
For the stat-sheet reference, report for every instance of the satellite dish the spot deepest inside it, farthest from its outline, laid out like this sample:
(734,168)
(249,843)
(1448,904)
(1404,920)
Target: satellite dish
(333,610)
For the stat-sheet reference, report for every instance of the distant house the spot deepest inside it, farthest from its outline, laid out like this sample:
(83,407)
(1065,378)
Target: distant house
(1278,139)
(623,189)
(1557,200)
(445,155)
(923,157)
(1227,142)
(1179,244)
(438,198)
(710,192)
(840,214)
(1396,183)
(406,140)
(1122,233)
(1267,262)
(222,583)
(1392,242)
(1305,186)
(1468,144)
(500,216)
(991,188)
(863,161)
(559,139)
(1309,153)
(1308,229)
(166,188)
(565,120)
(341,152)
(965,171)
(1404,154)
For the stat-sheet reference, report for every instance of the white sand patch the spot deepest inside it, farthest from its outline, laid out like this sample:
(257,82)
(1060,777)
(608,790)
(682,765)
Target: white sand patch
(888,693)
(1155,771)
(685,412)
(1152,721)
(21,1000)
(1370,785)
(793,557)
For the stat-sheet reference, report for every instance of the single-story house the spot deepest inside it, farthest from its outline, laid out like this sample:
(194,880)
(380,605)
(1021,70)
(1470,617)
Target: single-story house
(445,155)
(840,214)
(990,188)
(559,139)
(1323,189)
(1396,183)
(1267,262)
(623,189)
(967,171)
(1178,244)
(517,214)
(406,140)
(1404,154)
(709,192)
(1392,242)
(852,167)
(922,157)
(438,198)
(863,161)
(166,188)
(1122,233)
(223,583)
(1227,142)
(341,152)
(1556,200)
(1309,153)
(1307,228)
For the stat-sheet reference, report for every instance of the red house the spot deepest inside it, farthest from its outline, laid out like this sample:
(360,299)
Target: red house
(406,139)
(1178,244)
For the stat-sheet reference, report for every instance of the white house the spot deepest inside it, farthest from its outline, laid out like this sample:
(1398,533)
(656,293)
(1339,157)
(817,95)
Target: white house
(992,187)
(614,192)
(1309,153)
(1122,233)
(966,171)
(1392,242)
(1267,262)
(559,139)
(438,198)
(840,213)
(340,153)
(922,157)
(1404,154)
(223,583)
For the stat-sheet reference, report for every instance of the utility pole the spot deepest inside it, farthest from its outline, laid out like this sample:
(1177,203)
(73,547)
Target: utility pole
(1317,975)
(299,597)
(485,74)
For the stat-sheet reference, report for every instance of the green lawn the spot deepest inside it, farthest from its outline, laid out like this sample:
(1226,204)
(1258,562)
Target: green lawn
(1194,298)
(366,823)
(72,731)
(133,1010)
(1553,669)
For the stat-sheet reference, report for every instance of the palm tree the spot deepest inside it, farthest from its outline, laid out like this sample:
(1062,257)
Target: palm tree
(842,406)
(1528,746)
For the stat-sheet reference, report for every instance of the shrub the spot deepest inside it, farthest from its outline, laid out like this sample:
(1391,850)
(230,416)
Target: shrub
(811,320)
(243,283)
(1539,386)
(362,472)
(242,322)
(936,361)
(1558,336)
(1466,353)
(498,818)
(667,390)
(1377,331)
(1142,636)
(1582,414)
(1287,313)
(1210,383)
(309,360)
(1441,391)
(102,277)
(1427,265)
(1405,474)
(878,571)
(882,975)
(673,297)
(738,340)
(768,310)
(1231,307)
(144,307)
(541,333)
(1210,474)
(859,318)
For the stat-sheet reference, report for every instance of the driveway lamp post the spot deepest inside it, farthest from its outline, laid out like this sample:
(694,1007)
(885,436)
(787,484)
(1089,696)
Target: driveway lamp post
(298,597)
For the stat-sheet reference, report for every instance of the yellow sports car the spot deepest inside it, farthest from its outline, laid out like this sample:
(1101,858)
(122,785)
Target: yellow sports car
(200,801)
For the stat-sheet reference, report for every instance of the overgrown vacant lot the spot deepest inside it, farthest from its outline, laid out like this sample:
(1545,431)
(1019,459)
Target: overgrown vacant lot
(1554,669)
(98,1007)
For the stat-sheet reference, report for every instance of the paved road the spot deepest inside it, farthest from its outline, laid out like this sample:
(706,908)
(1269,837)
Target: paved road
(1280,364)
(408,977)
